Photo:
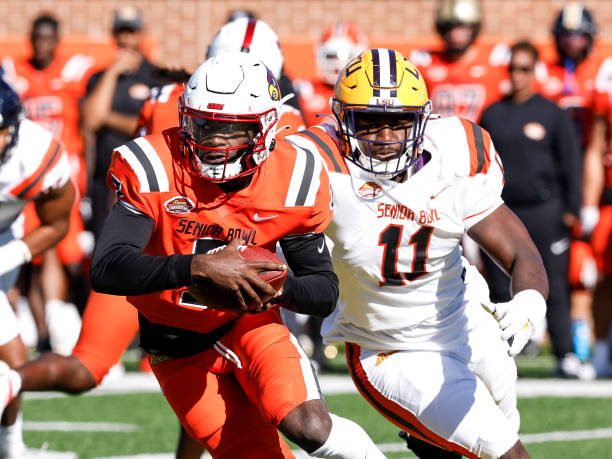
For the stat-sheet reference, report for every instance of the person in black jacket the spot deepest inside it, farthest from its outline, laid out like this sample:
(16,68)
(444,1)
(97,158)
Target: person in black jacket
(542,163)
(109,112)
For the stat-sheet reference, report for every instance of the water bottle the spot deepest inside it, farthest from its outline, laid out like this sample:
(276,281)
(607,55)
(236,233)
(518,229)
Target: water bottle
(581,335)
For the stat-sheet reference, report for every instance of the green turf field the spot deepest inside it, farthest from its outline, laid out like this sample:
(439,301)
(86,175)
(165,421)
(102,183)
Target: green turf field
(120,425)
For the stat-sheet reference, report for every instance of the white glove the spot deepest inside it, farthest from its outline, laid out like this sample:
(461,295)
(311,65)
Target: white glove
(589,216)
(519,317)
(13,255)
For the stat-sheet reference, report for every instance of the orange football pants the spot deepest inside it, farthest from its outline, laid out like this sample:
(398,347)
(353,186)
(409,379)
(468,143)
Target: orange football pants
(232,397)
(601,240)
(109,325)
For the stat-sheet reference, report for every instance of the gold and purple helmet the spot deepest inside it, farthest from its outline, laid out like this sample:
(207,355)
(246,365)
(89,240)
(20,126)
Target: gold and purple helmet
(381,81)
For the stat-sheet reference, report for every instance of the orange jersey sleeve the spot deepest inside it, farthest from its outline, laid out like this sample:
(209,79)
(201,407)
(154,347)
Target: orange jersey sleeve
(136,170)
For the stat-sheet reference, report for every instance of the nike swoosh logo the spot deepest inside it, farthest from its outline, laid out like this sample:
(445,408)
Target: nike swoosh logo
(259,218)
(320,249)
(434,196)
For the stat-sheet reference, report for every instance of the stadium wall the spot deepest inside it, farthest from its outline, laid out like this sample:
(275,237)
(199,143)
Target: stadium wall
(179,30)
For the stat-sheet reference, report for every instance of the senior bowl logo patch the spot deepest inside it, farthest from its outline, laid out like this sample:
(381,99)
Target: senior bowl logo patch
(369,190)
(179,205)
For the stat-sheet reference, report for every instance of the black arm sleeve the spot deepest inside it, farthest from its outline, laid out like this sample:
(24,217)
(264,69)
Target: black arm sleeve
(570,161)
(119,265)
(312,285)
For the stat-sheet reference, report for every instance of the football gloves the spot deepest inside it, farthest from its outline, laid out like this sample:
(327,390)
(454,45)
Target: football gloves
(519,317)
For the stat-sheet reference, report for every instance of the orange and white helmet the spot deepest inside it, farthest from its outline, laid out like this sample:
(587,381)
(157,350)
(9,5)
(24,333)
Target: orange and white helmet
(339,43)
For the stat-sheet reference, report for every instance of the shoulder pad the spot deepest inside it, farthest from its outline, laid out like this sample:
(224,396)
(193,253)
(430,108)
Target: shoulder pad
(322,141)
(146,163)
(465,147)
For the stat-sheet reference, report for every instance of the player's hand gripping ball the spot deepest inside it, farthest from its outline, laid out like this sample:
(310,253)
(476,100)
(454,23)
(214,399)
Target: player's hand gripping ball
(220,300)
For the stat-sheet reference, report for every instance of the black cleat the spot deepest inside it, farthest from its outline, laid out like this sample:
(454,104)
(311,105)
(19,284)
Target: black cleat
(425,450)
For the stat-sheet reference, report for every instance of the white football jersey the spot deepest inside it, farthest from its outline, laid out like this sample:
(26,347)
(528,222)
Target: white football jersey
(35,164)
(397,245)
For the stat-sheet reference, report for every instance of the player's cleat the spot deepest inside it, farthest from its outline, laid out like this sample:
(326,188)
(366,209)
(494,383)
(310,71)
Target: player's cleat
(571,367)
(424,450)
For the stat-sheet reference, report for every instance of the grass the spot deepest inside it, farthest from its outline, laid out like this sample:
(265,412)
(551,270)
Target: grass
(157,429)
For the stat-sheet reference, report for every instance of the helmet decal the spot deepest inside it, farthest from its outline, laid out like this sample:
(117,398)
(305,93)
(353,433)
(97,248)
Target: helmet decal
(273,88)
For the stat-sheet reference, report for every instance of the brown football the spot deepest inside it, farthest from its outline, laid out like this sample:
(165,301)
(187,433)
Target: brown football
(256,253)
(250,253)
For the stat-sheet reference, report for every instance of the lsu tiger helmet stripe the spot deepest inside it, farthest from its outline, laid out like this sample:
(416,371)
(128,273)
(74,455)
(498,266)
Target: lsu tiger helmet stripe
(383,82)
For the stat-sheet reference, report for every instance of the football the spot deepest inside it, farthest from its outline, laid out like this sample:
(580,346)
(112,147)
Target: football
(249,253)
(257,253)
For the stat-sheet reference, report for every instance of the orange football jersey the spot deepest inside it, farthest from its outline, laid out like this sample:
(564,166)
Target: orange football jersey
(289,195)
(573,91)
(160,112)
(464,87)
(51,96)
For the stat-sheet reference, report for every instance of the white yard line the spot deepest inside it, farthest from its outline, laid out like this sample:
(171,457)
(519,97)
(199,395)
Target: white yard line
(64,426)
(341,384)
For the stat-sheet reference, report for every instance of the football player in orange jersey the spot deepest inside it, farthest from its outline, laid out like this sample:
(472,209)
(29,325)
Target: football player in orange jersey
(50,86)
(598,198)
(570,76)
(339,43)
(570,82)
(33,167)
(464,76)
(232,372)
(101,343)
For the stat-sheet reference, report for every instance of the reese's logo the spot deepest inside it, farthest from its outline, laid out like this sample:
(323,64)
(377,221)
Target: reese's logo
(369,190)
(179,205)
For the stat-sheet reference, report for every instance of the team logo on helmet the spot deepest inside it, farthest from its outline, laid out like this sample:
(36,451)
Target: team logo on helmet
(179,205)
(273,88)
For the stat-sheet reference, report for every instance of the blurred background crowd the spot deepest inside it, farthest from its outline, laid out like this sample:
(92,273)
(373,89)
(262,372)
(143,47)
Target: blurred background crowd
(537,74)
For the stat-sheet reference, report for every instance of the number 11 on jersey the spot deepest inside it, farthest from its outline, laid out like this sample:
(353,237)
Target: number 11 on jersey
(390,238)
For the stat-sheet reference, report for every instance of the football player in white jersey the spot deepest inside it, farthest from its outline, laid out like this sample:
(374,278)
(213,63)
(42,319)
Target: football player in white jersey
(33,167)
(421,348)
